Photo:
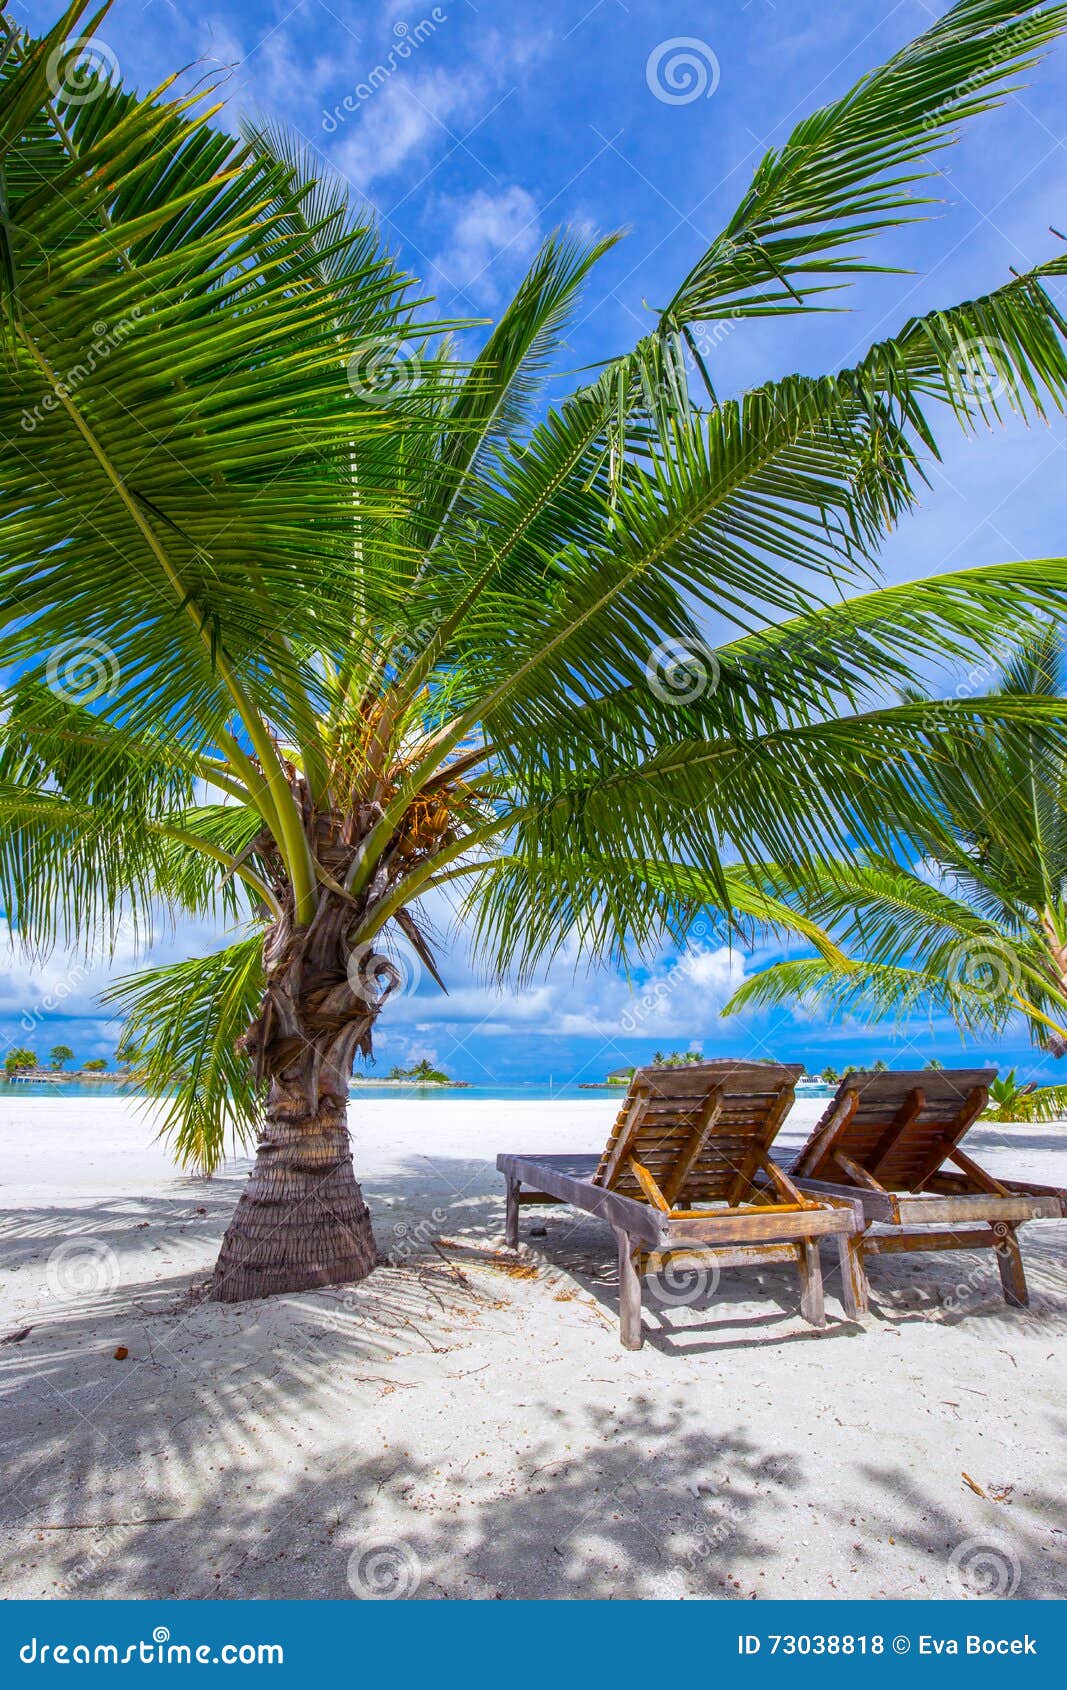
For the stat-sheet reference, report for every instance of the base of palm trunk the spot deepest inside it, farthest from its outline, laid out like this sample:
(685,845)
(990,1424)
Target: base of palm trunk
(301,1221)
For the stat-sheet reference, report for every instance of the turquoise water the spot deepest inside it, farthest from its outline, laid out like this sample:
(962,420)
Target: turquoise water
(545,1092)
(500,1093)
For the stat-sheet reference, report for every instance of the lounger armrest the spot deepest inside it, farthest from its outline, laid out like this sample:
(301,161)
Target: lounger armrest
(874,1205)
(1024,1188)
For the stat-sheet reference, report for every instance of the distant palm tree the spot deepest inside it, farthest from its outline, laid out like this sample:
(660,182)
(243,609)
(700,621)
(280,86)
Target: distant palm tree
(310,617)
(978,926)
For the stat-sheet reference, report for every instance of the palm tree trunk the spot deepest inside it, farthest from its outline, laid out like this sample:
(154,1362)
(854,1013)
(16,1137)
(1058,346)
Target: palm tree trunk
(301,1221)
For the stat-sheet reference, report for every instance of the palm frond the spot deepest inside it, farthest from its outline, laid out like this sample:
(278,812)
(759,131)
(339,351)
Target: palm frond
(186,1018)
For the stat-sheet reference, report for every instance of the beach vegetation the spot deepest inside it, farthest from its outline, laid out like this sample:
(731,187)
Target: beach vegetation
(1013,1100)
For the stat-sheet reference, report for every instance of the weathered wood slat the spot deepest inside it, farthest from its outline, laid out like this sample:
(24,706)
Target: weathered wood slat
(876,1206)
(826,1133)
(621,1143)
(761,1144)
(647,1184)
(891,1243)
(855,1172)
(690,1150)
(767,1224)
(976,1206)
(730,1255)
(965,1118)
(898,1128)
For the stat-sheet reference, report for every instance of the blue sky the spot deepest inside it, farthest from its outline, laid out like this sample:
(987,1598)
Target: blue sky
(472,130)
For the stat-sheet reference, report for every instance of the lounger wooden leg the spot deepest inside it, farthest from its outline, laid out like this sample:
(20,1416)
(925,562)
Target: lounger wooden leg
(511,1217)
(811,1301)
(854,1297)
(1010,1262)
(629,1293)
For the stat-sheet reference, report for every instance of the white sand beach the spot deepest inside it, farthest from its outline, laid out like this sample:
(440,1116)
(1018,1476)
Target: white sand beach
(454,1429)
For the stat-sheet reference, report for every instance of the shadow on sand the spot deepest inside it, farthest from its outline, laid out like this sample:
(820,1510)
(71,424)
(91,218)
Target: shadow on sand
(422,1434)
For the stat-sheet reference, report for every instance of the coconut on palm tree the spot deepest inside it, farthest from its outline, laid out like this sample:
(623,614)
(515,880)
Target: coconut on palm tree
(313,620)
(975,924)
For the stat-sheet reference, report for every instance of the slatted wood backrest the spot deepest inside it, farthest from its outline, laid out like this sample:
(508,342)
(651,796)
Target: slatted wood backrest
(697,1130)
(897,1126)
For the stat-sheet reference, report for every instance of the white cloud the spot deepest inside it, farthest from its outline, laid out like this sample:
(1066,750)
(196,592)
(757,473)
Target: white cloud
(278,72)
(34,989)
(679,999)
(399,122)
(487,229)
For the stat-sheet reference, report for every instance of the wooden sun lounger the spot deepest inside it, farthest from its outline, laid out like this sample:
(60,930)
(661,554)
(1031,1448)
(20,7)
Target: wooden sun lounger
(689,1136)
(883,1140)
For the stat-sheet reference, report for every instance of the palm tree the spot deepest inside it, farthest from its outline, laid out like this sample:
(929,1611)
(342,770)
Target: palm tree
(1011,1101)
(976,926)
(313,620)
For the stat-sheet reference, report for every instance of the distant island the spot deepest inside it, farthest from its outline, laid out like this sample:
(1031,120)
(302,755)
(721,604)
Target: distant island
(620,1077)
(21,1067)
(422,1074)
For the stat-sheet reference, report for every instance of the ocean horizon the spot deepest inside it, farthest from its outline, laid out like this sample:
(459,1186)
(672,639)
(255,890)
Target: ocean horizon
(535,1091)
